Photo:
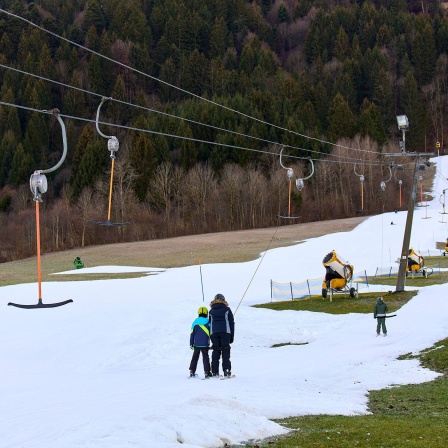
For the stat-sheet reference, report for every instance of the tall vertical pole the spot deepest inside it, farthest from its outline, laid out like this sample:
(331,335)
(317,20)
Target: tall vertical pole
(202,284)
(110,188)
(407,234)
(362,195)
(289,198)
(39,271)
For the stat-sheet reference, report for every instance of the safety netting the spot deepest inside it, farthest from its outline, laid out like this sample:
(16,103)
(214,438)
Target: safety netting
(308,288)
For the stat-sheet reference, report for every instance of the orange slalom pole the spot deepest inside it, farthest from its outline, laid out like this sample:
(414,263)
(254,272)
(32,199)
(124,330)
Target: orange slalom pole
(110,189)
(400,196)
(362,196)
(39,273)
(289,199)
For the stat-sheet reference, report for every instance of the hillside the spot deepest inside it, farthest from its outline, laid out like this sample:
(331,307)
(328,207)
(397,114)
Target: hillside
(223,247)
(201,97)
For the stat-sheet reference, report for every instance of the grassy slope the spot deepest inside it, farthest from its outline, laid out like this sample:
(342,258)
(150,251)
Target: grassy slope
(405,416)
(224,247)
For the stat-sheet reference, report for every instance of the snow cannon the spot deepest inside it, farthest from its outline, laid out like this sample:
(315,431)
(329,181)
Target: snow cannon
(445,252)
(416,264)
(415,261)
(338,273)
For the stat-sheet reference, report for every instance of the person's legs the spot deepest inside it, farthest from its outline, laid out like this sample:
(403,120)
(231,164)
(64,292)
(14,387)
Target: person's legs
(205,360)
(194,359)
(378,325)
(225,341)
(216,354)
(383,325)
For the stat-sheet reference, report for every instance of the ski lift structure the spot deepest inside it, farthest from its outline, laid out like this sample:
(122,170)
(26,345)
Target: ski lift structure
(361,179)
(298,181)
(112,146)
(400,183)
(442,200)
(426,208)
(416,264)
(39,185)
(338,277)
(384,182)
(420,179)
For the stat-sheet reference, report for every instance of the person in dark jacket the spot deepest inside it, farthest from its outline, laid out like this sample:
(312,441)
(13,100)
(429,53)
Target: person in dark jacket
(379,313)
(222,331)
(200,341)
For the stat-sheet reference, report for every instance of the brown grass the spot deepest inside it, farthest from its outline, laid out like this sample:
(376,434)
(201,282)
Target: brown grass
(225,247)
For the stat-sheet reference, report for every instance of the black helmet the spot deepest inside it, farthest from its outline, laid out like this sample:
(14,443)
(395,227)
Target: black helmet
(219,297)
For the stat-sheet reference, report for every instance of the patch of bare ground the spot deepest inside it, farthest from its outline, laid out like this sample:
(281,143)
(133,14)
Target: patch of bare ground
(223,247)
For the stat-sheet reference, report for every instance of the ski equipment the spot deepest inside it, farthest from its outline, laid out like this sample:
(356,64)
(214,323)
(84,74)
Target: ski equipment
(38,185)
(112,146)
(227,377)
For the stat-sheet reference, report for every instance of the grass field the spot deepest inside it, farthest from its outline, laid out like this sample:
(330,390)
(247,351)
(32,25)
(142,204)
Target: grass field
(435,278)
(342,304)
(401,417)
(224,247)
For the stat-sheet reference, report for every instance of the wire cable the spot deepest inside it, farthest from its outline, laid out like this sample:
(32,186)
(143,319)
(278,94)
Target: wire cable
(258,266)
(174,86)
(133,128)
(167,114)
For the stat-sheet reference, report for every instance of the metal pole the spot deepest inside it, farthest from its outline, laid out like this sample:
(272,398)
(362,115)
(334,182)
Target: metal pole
(407,234)
(202,284)
(39,271)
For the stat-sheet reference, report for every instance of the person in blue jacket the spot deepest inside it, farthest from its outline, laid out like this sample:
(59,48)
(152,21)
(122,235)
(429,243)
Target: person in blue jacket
(222,331)
(200,341)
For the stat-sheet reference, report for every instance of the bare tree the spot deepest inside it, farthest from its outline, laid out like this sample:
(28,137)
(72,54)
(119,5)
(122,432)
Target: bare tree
(257,194)
(199,183)
(84,207)
(231,188)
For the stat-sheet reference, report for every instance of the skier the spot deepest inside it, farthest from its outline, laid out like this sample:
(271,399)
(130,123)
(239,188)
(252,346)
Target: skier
(222,330)
(199,342)
(379,313)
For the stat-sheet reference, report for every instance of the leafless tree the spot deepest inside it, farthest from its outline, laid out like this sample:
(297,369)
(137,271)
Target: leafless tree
(257,195)
(85,207)
(231,188)
(200,182)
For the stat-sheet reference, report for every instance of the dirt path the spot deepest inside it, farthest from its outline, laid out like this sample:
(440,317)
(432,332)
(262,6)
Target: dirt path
(221,247)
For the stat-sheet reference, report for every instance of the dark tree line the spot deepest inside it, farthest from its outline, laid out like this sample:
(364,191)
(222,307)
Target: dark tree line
(336,72)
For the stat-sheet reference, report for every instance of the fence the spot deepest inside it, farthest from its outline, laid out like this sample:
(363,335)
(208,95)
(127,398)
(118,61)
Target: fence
(311,287)
(392,271)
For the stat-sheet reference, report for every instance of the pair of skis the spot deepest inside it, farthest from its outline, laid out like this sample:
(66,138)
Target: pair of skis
(221,377)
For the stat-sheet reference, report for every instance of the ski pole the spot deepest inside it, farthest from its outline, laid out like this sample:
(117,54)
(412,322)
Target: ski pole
(202,284)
